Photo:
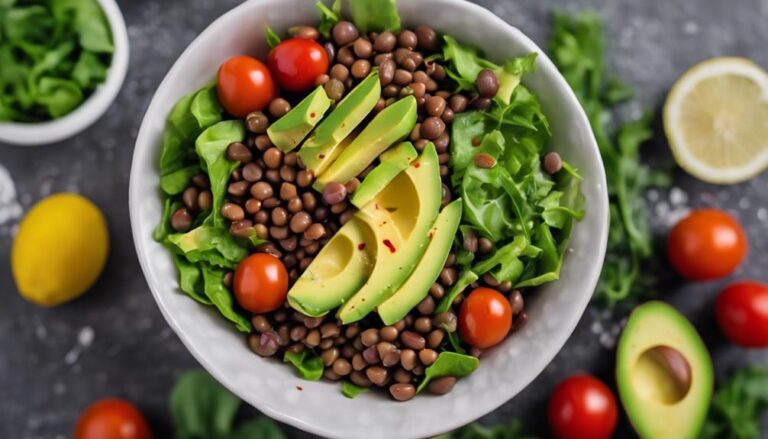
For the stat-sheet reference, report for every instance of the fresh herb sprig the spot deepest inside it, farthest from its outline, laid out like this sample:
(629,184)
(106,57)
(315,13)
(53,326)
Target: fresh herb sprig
(737,406)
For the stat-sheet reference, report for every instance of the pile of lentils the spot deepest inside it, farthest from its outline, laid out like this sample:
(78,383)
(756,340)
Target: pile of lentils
(270,195)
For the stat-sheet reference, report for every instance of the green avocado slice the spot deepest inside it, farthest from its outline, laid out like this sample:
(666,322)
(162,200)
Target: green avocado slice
(416,288)
(288,131)
(400,218)
(392,162)
(389,126)
(323,145)
(657,348)
(341,267)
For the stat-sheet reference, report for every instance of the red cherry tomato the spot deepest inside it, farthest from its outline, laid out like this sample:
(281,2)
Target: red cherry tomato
(741,311)
(244,85)
(582,407)
(485,318)
(707,244)
(261,283)
(297,62)
(112,418)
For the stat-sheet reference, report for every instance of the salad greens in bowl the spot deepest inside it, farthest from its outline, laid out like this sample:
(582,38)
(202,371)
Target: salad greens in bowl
(406,199)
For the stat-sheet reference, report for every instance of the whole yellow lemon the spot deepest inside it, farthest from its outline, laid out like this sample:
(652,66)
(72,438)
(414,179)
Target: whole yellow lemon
(60,249)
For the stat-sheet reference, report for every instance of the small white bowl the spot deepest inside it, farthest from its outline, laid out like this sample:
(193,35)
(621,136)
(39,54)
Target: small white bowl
(93,108)
(319,407)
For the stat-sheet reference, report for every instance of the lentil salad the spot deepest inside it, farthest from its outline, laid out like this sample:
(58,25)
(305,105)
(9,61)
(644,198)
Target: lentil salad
(249,212)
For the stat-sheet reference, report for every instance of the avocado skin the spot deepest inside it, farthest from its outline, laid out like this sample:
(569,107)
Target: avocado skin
(392,162)
(416,288)
(395,263)
(387,128)
(288,131)
(322,146)
(651,325)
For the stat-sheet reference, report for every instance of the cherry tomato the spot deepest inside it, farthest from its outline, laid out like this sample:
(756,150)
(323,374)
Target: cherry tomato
(261,283)
(582,407)
(297,62)
(244,85)
(485,318)
(112,418)
(741,311)
(707,244)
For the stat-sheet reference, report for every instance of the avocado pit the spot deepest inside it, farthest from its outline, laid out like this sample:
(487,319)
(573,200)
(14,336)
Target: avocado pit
(662,374)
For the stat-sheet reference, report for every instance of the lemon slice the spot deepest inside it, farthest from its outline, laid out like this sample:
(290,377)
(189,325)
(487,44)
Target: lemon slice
(716,120)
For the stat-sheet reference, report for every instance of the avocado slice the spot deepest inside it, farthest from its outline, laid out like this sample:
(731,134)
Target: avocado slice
(389,126)
(288,131)
(322,146)
(392,162)
(416,288)
(664,373)
(338,271)
(400,218)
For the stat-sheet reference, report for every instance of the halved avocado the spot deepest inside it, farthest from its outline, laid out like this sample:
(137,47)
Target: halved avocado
(322,146)
(288,131)
(388,127)
(338,271)
(664,373)
(416,288)
(400,217)
(392,162)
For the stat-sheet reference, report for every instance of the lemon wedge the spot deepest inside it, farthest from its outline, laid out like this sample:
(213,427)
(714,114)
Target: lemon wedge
(716,120)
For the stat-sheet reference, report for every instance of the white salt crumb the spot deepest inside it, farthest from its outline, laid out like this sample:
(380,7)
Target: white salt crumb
(744,204)
(72,355)
(59,388)
(41,332)
(10,209)
(85,336)
(691,28)
(596,327)
(762,214)
(677,196)
(653,195)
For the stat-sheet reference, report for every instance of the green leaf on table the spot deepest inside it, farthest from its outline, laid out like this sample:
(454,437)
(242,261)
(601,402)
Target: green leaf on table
(202,408)
(449,364)
(738,405)
(511,430)
(308,365)
(261,428)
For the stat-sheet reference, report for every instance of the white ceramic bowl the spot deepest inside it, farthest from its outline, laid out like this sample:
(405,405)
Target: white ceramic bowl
(89,111)
(320,408)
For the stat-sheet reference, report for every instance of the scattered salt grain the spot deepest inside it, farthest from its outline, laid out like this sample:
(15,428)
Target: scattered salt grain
(10,209)
(762,214)
(677,196)
(85,336)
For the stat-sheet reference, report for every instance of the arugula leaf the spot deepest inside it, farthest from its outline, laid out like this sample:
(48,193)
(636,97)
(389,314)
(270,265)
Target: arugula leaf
(351,390)
(375,15)
(202,408)
(58,96)
(738,405)
(577,47)
(261,428)
(217,293)
(449,364)
(328,17)
(273,39)
(465,279)
(512,430)
(89,23)
(309,367)
(89,71)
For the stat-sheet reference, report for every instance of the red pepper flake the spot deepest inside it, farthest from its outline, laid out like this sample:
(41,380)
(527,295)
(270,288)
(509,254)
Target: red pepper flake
(476,141)
(416,165)
(299,388)
(361,246)
(389,245)
(322,156)
(312,114)
(430,234)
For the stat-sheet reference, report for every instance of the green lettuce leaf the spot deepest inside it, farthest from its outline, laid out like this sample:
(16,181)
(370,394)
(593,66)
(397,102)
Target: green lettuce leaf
(375,15)
(221,297)
(308,365)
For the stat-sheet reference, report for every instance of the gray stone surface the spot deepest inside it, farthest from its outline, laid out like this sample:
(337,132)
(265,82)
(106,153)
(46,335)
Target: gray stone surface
(49,367)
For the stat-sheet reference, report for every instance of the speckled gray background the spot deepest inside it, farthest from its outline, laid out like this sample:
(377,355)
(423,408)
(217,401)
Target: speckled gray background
(114,340)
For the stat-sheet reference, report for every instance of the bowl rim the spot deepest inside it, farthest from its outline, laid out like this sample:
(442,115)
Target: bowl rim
(82,117)
(484,405)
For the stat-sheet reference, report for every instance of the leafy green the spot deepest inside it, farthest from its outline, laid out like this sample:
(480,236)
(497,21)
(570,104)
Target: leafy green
(375,15)
(466,278)
(449,364)
(53,53)
(512,430)
(577,47)
(217,293)
(190,279)
(351,390)
(175,182)
(273,39)
(209,244)
(328,17)
(163,228)
(738,405)
(308,365)
(202,408)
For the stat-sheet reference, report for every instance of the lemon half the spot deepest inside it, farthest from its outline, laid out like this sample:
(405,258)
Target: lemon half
(60,249)
(716,120)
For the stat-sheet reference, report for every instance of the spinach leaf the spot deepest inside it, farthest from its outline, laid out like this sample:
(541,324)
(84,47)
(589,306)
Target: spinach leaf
(738,405)
(308,365)
(213,245)
(261,428)
(221,297)
(512,430)
(466,278)
(449,364)
(455,343)
(58,96)
(89,71)
(375,15)
(89,23)
(163,228)
(328,17)
(190,279)
(351,390)
(175,182)
(202,408)
(272,38)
